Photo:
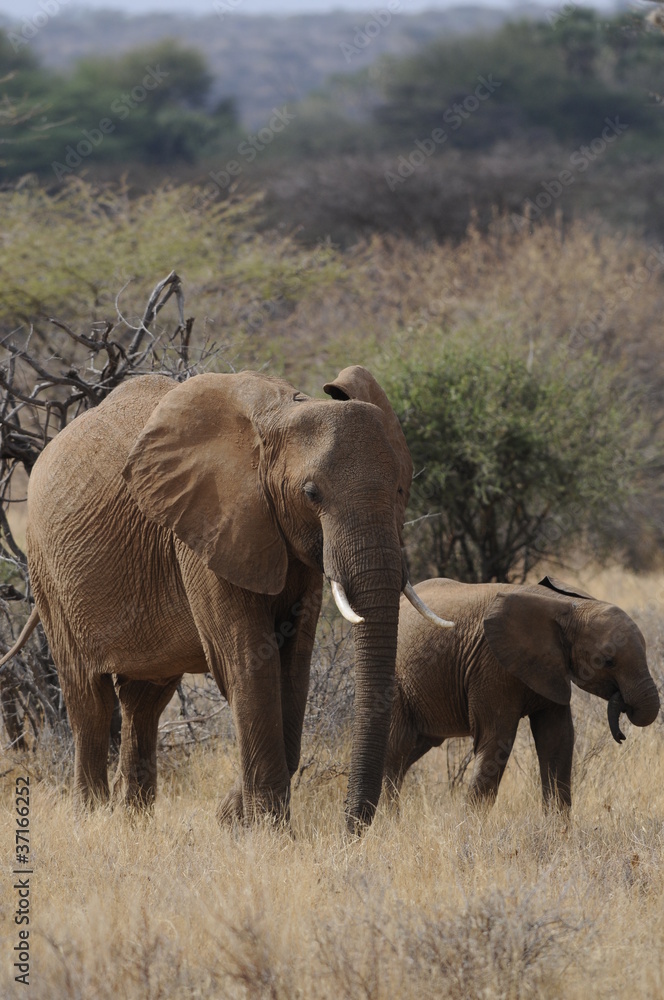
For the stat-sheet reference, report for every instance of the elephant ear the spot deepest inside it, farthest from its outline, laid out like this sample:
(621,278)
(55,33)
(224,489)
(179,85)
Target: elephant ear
(525,634)
(564,588)
(357,382)
(195,469)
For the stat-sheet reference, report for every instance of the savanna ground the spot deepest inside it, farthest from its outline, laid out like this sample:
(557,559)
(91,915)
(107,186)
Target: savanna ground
(438,901)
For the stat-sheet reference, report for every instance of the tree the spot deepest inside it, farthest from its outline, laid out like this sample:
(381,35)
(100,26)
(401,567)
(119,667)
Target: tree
(39,398)
(561,79)
(513,463)
(151,105)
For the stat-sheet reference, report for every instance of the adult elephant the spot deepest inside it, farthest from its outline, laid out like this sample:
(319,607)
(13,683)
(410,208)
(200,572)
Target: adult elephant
(186,528)
(514,653)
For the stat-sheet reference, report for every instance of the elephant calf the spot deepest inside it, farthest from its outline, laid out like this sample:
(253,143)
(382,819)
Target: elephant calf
(514,652)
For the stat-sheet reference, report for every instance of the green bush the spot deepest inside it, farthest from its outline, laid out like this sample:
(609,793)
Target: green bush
(148,106)
(562,80)
(514,462)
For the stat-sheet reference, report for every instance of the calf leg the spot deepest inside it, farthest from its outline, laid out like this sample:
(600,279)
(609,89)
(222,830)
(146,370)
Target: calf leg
(492,751)
(406,746)
(553,732)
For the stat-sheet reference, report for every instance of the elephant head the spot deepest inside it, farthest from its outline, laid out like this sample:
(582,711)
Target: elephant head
(549,641)
(255,476)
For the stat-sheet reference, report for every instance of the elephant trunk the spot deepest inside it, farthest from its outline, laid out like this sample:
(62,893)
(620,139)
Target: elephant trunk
(640,703)
(372,581)
(375,652)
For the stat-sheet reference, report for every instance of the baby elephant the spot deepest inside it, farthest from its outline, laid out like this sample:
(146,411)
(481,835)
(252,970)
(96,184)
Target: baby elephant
(513,652)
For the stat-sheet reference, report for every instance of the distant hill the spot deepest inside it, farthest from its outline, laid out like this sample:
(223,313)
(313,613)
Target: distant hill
(263,61)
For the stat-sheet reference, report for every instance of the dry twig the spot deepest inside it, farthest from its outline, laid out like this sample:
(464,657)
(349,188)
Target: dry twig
(39,397)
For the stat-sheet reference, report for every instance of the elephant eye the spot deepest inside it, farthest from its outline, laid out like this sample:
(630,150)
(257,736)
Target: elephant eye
(312,492)
(610,662)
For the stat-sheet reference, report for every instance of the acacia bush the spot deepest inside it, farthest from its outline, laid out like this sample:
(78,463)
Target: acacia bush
(151,105)
(90,250)
(514,461)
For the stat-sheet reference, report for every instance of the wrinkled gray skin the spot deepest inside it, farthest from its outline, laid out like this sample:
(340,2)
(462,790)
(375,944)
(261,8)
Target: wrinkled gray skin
(187,528)
(514,652)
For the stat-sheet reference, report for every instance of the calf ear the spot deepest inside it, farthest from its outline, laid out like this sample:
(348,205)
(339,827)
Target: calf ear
(525,634)
(564,588)
(357,382)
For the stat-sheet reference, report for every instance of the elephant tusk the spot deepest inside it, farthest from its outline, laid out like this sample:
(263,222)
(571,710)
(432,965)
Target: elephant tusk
(343,604)
(425,611)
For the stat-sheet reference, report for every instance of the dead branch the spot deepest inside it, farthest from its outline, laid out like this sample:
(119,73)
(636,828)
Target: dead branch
(39,396)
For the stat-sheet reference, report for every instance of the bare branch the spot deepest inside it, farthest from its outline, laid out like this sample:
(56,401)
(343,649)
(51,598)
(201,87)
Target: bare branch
(173,285)
(39,396)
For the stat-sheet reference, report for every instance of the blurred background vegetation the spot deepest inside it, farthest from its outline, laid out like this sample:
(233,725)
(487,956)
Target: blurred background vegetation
(556,82)
(475,215)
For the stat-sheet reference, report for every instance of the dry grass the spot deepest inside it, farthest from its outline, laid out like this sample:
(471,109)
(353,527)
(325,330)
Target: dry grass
(266,300)
(438,901)
(633,592)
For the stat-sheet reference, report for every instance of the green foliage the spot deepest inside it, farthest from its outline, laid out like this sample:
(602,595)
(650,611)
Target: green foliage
(14,61)
(565,78)
(513,463)
(555,80)
(149,106)
(71,256)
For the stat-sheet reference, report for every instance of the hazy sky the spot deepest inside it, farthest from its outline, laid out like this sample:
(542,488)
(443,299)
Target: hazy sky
(28,8)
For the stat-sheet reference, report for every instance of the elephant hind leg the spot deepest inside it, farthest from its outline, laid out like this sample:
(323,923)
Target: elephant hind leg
(88,696)
(90,708)
(142,702)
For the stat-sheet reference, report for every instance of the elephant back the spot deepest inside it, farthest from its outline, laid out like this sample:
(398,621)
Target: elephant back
(89,454)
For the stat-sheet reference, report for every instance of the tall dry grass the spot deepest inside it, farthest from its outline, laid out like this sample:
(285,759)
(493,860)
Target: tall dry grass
(268,301)
(436,901)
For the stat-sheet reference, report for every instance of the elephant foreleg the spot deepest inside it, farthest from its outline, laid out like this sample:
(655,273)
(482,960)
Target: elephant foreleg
(142,703)
(297,635)
(256,705)
(400,763)
(553,732)
(236,630)
(230,810)
(406,745)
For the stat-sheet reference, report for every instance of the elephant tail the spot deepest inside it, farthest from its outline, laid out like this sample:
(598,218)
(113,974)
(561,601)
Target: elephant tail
(28,629)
